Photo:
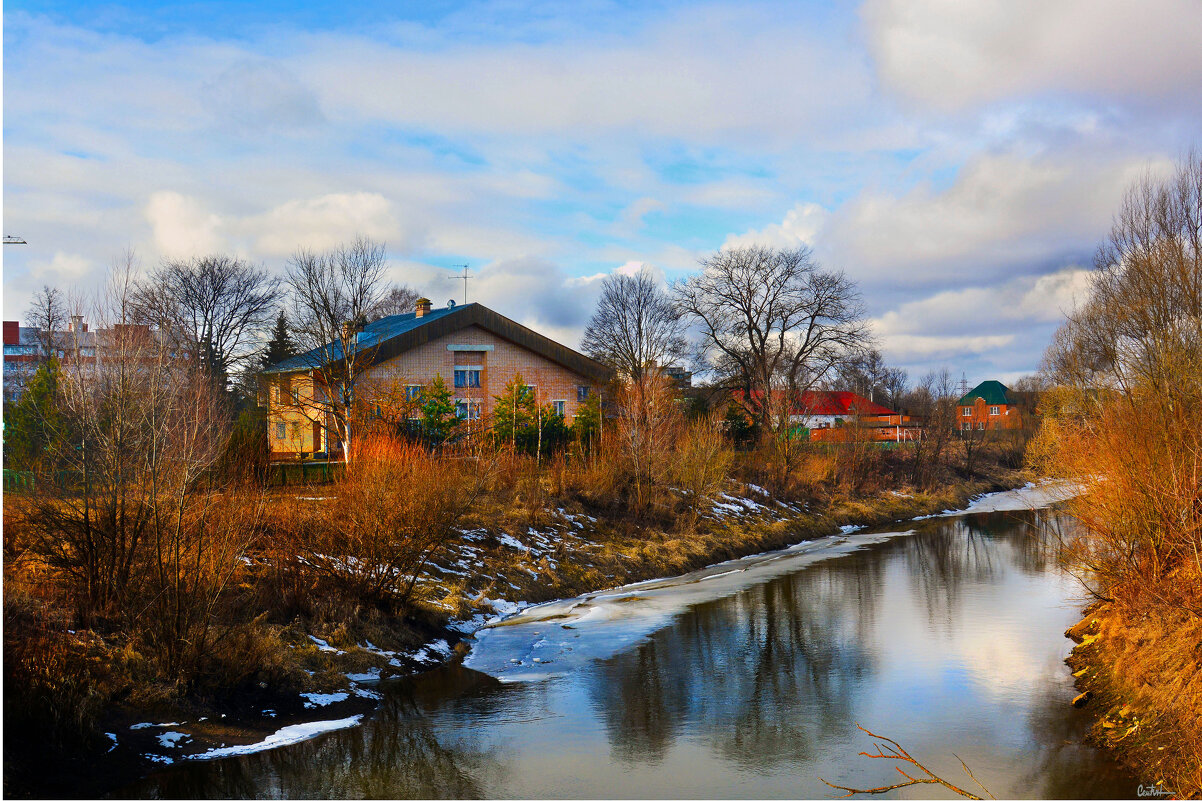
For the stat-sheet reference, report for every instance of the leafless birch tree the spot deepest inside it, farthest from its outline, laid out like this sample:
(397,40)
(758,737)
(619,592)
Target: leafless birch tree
(332,295)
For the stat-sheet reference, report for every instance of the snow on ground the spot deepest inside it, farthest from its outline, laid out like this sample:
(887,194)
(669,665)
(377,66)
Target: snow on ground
(112,737)
(314,700)
(173,738)
(137,726)
(285,736)
(1033,495)
(322,645)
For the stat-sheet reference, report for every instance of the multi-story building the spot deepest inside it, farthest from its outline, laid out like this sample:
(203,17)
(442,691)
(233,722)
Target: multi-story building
(989,405)
(476,351)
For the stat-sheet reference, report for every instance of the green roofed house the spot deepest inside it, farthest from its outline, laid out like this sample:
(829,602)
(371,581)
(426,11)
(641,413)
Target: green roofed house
(990,404)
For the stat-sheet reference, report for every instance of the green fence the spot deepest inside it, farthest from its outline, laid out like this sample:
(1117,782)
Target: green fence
(17,480)
(288,474)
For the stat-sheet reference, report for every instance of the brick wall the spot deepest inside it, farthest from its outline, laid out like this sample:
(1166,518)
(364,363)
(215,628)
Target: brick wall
(497,359)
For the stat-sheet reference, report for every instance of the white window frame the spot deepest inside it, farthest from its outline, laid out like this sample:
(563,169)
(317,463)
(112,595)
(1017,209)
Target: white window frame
(994,411)
(560,407)
(967,411)
(582,393)
(281,431)
(467,370)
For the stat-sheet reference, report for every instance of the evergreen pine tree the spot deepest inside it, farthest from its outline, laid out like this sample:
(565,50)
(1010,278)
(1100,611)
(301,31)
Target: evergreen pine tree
(281,346)
(439,420)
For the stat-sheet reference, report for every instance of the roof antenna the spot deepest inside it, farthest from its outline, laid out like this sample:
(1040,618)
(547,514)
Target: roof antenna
(465,278)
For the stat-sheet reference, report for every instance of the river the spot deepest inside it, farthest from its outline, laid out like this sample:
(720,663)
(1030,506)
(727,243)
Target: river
(745,680)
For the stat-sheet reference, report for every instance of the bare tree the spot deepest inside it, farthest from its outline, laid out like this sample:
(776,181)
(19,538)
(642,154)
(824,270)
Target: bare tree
(772,319)
(867,373)
(212,307)
(48,313)
(332,294)
(401,299)
(634,326)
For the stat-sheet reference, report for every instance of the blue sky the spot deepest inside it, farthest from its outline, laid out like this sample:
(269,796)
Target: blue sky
(961,162)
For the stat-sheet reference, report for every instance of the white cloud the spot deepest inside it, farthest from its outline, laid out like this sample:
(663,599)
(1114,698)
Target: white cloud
(323,222)
(1004,213)
(800,226)
(949,54)
(182,226)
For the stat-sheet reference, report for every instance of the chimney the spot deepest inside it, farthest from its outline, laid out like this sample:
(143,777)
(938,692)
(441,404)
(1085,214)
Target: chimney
(76,325)
(422,308)
(12,332)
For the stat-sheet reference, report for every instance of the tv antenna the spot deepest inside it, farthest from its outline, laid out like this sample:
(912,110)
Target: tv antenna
(963,384)
(14,240)
(466,275)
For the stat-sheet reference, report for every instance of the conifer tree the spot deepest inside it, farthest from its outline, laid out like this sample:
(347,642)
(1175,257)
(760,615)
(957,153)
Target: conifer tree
(438,416)
(280,346)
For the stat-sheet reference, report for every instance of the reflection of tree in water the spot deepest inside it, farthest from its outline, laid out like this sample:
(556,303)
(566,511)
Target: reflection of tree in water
(763,676)
(395,754)
(950,555)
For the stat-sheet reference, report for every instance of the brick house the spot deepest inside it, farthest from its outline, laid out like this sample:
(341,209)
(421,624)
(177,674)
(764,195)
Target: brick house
(990,405)
(475,350)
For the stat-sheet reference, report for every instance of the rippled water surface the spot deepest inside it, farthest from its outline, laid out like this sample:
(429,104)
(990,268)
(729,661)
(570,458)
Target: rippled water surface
(948,639)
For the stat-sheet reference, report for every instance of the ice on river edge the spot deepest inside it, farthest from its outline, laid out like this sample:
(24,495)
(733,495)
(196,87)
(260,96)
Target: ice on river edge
(554,638)
(285,736)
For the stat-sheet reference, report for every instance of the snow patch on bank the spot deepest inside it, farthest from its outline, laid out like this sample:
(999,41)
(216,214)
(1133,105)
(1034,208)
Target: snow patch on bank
(285,736)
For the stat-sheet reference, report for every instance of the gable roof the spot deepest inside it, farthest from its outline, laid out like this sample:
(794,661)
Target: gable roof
(836,403)
(994,393)
(391,336)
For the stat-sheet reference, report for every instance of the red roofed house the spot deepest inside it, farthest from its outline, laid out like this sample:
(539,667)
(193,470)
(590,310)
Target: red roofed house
(830,415)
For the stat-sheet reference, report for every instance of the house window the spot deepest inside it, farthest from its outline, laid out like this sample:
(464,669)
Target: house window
(560,407)
(413,392)
(967,411)
(993,410)
(467,377)
(467,410)
(281,430)
(966,426)
(528,392)
(582,394)
(981,426)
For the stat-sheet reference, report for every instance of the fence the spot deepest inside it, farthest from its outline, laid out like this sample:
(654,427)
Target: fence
(284,474)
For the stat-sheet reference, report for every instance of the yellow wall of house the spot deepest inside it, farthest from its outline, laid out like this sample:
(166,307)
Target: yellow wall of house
(497,363)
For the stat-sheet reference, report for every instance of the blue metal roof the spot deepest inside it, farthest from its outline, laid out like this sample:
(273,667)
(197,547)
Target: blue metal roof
(373,334)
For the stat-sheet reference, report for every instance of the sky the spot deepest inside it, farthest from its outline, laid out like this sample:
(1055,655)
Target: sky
(960,162)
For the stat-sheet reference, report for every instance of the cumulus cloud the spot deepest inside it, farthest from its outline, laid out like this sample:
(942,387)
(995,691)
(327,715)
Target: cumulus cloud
(182,226)
(323,222)
(799,227)
(1003,213)
(949,54)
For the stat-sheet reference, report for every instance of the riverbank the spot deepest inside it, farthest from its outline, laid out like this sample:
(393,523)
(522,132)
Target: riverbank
(1140,673)
(502,560)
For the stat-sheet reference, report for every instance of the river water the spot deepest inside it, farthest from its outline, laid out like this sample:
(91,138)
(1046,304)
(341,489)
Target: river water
(745,680)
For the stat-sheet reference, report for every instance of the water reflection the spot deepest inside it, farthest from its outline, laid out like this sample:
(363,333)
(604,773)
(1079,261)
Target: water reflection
(948,639)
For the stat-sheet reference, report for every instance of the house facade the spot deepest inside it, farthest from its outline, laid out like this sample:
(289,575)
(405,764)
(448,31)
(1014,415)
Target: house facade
(990,405)
(833,416)
(476,351)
